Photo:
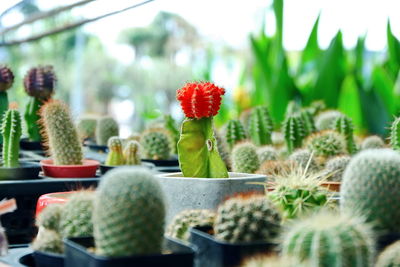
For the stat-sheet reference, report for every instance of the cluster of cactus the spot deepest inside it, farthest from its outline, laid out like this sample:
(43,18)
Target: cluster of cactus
(234,133)
(390,257)
(260,126)
(294,132)
(6,81)
(61,134)
(117,155)
(87,127)
(327,143)
(335,167)
(304,158)
(11,130)
(106,127)
(245,158)
(344,125)
(156,144)
(372,142)
(259,220)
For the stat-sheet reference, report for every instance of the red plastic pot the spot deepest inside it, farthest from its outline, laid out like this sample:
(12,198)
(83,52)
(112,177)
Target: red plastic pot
(51,198)
(86,170)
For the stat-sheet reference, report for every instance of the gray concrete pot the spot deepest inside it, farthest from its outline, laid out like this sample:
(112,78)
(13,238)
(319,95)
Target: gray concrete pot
(184,193)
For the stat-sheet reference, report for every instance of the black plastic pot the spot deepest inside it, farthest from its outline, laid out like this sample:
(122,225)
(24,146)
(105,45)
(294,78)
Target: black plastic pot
(47,259)
(169,169)
(163,162)
(97,148)
(26,171)
(77,255)
(105,168)
(214,253)
(25,144)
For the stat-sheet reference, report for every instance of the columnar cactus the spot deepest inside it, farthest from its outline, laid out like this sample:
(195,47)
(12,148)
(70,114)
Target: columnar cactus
(61,134)
(106,128)
(325,119)
(245,158)
(371,186)
(327,143)
(308,120)
(344,125)
(115,154)
(6,81)
(235,133)
(87,127)
(259,220)
(132,153)
(182,222)
(395,134)
(335,167)
(372,142)
(266,153)
(294,132)
(156,144)
(304,158)
(11,131)
(129,213)
(197,148)
(329,240)
(390,257)
(260,126)
(48,241)
(39,83)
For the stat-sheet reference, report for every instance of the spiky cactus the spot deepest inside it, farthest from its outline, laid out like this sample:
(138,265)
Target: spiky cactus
(87,127)
(260,126)
(49,217)
(335,167)
(371,186)
(329,240)
(272,168)
(327,143)
(395,134)
(182,222)
(129,213)
(293,130)
(325,119)
(132,153)
(293,107)
(245,158)
(390,257)
(266,153)
(48,241)
(308,120)
(234,133)
(372,142)
(156,144)
(11,131)
(273,261)
(304,158)
(6,81)
(106,128)
(115,156)
(259,220)
(278,138)
(344,125)
(223,149)
(61,134)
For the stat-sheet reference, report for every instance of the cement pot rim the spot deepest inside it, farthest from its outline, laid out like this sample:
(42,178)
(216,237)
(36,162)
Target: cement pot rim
(232,176)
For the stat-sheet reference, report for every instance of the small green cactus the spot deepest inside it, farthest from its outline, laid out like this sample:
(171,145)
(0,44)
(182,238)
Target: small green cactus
(115,156)
(235,133)
(259,220)
(372,142)
(171,127)
(245,158)
(294,132)
(87,127)
(49,217)
(266,153)
(244,118)
(106,128)
(48,241)
(156,144)
(61,134)
(11,130)
(132,153)
(327,143)
(395,134)
(182,222)
(335,167)
(344,125)
(325,119)
(272,168)
(390,257)
(330,240)
(304,158)
(129,213)
(308,120)
(260,126)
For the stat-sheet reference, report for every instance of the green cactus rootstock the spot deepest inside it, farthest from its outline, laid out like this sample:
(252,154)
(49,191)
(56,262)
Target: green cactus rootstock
(234,133)
(294,132)
(32,117)
(344,125)
(115,154)
(11,131)
(260,126)
(198,152)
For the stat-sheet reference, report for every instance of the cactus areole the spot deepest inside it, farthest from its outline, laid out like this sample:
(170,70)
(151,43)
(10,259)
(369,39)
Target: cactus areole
(197,148)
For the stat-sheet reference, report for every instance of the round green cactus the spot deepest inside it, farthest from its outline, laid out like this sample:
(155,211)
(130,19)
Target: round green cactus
(304,158)
(335,167)
(325,119)
(234,133)
(48,241)
(260,126)
(330,240)
(294,132)
(129,213)
(390,257)
(11,130)
(272,168)
(49,217)
(115,156)
(61,134)
(132,153)
(156,144)
(266,153)
(259,220)
(87,127)
(327,143)
(245,158)
(344,125)
(371,186)
(106,127)
(395,134)
(372,142)
(182,222)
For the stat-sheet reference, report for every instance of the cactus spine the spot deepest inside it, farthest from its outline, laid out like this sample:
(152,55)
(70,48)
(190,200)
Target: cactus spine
(335,167)
(115,155)
(344,125)
(62,136)
(245,158)
(129,213)
(395,134)
(106,128)
(327,143)
(293,130)
(156,144)
(11,131)
(234,133)
(260,127)
(390,257)
(132,153)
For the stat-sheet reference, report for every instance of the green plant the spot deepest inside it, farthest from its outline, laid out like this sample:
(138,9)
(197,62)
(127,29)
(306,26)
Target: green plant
(234,133)
(6,81)
(49,217)
(304,158)
(39,83)
(395,134)
(48,241)
(266,153)
(129,213)
(260,126)
(390,257)
(344,125)
(245,158)
(60,134)
(294,132)
(335,167)
(223,149)
(115,156)
(372,142)
(371,185)
(156,144)
(330,239)
(132,153)
(106,128)
(171,127)
(11,130)
(327,143)
(87,127)
(324,120)
(308,120)
(259,220)
(182,222)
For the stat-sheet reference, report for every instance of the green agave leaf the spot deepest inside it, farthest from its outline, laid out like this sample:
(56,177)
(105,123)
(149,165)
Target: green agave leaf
(278,10)
(393,52)
(383,85)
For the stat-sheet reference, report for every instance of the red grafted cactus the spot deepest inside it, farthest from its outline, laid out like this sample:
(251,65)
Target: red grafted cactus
(200,99)
(6,78)
(40,81)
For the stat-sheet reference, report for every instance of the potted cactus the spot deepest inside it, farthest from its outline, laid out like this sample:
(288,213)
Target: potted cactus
(105,128)
(204,181)
(6,81)
(63,142)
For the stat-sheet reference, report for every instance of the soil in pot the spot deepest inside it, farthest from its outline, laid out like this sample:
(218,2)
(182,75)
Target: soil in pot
(86,170)
(26,171)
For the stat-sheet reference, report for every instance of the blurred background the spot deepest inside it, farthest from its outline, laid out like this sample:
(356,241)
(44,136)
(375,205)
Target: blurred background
(127,58)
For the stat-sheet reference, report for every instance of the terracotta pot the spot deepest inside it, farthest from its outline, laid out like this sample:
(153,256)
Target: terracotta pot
(51,198)
(332,186)
(86,170)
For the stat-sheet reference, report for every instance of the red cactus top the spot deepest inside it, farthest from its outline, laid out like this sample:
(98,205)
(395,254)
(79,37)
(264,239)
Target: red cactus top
(200,99)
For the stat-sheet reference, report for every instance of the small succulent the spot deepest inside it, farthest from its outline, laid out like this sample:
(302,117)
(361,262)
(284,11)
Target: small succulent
(245,158)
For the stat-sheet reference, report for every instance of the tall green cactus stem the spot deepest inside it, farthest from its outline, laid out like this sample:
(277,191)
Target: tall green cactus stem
(371,186)
(156,144)
(292,108)
(32,117)
(308,120)
(390,257)
(106,128)
(61,134)
(395,134)
(132,153)
(344,125)
(372,142)
(234,133)
(115,156)
(245,158)
(223,149)
(293,130)
(260,127)
(129,213)
(11,131)
(197,150)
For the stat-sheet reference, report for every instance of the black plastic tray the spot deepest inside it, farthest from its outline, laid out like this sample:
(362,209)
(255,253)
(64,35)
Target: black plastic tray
(25,144)
(214,253)
(27,170)
(163,163)
(76,255)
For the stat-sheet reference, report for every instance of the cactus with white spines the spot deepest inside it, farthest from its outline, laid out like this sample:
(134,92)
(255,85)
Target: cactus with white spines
(372,142)
(245,158)
(106,127)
